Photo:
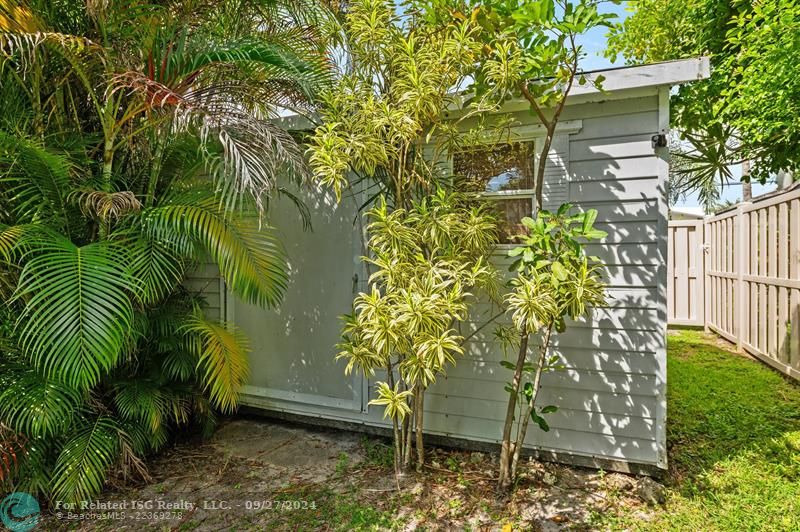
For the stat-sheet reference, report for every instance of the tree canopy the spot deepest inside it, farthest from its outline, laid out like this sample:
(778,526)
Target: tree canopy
(749,109)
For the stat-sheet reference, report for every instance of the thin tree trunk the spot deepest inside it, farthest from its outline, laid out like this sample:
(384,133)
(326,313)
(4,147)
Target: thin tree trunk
(537,378)
(503,481)
(542,166)
(409,432)
(420,421)
(747,187)
(397,437)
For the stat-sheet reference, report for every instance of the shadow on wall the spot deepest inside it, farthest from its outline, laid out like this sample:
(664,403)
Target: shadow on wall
(294,346)
(611,392)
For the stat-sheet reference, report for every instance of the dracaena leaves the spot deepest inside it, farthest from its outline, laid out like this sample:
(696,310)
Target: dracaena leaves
(394,401)
(428,261)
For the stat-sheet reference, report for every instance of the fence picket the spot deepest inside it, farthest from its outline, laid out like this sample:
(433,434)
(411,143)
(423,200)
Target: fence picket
(772,292)
(783,293)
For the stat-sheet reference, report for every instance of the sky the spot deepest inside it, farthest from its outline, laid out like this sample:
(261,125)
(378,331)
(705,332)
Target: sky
(594,43)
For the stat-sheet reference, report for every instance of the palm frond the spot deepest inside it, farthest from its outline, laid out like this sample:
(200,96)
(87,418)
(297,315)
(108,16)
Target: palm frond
(85,459)
(36,406)
(179,365)
(222,360)
(78,312)
(245,153)
(249,257)
(141,400)
(157,266)
(35,467)
(10,239)
(105,206)
(23,47)
(38,180)
(272,59)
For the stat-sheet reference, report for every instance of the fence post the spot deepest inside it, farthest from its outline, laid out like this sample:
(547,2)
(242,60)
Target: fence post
(740,247)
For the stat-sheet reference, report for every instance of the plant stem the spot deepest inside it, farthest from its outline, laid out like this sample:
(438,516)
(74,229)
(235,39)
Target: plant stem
(504,479)
(531,401)
(409,432)
(155,172)
(419,419)
(395,427)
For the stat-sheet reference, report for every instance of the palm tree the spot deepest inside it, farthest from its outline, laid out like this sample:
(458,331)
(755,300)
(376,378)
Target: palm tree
(136,140)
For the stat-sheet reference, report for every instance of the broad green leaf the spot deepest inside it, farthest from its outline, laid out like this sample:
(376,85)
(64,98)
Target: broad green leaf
(527,390)
(588,219)
(539,420)
(595,234)
(79,313)
(559,271)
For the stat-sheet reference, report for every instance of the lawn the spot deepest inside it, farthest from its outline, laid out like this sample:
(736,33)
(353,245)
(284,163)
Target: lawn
(733,434)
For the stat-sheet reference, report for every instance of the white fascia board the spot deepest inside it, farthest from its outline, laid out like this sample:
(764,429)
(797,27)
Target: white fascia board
(654,75)
(625,82)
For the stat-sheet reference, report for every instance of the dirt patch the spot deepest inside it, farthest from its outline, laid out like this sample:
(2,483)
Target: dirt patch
(256,474)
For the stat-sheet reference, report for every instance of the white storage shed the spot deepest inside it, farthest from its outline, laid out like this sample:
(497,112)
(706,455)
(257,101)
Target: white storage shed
(612,394)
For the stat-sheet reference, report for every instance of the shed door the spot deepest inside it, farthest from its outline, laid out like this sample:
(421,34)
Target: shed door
(294,346)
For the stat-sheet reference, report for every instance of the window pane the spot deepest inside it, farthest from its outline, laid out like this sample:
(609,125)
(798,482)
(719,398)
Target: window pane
(496,168)
(509,213)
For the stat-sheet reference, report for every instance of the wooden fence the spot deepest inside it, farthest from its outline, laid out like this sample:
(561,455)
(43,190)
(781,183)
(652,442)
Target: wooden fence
(685,273)
(751,283)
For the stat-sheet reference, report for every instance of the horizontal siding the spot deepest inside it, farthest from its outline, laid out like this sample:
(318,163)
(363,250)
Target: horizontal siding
(598,318)
(587,442)
(204,281)
(615,148)
(611,358)
(609,394)
(565,418)
(624,124)
(615,210)
(633,232)
(614,189)
(613,355)
(609,170)
(619,404)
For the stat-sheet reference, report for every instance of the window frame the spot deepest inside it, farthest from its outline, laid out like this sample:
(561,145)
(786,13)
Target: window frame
(535,133)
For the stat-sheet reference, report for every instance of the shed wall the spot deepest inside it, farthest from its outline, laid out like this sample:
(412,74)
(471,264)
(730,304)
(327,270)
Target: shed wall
(612,393)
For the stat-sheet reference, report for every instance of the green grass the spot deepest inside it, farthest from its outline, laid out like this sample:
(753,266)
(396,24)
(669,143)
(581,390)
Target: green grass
(733,434)
(326,509)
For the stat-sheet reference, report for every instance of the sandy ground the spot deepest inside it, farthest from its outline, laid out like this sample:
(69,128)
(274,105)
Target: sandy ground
(257,474)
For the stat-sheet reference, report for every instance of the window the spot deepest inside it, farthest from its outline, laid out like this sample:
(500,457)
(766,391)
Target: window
(503,173)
